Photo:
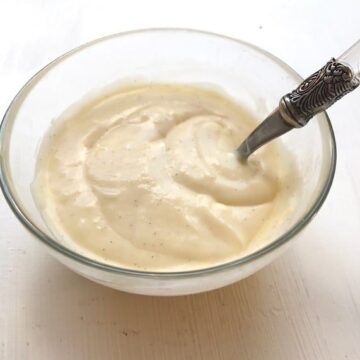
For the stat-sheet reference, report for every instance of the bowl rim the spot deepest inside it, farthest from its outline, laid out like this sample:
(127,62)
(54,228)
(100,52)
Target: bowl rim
(10,195)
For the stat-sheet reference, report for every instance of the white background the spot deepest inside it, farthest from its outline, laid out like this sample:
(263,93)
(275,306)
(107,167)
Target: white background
(306,305)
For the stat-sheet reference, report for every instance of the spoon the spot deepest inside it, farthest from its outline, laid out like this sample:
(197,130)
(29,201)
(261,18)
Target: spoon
(315,94)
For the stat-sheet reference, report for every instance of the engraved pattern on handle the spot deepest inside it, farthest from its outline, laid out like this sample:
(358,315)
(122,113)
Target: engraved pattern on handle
(318,92)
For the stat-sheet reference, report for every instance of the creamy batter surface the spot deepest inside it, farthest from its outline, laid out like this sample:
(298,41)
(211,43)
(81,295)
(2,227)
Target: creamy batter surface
(147,178)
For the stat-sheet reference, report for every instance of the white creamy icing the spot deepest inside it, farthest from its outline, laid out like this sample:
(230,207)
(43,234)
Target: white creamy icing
(146,177)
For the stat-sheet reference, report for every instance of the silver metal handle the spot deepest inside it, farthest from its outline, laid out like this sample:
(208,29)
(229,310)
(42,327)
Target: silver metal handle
(315,94)
(318,92)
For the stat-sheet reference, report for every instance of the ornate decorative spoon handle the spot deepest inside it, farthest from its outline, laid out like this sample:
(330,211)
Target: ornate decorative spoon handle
(315,94)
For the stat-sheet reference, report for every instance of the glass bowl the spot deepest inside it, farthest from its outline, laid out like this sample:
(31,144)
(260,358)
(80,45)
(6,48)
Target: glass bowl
(246,73)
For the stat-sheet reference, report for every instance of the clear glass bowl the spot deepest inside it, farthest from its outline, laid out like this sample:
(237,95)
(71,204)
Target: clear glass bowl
(248,74)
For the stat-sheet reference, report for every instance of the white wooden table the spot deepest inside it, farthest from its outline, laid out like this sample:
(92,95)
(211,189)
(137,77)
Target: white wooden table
(306,305)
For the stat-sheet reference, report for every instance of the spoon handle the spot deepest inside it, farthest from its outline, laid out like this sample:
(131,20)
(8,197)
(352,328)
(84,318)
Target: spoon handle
(315,94)
(322,89)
